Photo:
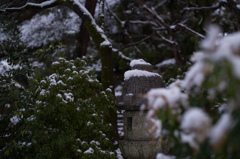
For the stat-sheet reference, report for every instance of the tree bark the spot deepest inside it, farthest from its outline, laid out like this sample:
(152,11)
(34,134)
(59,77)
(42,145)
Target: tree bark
(83,36)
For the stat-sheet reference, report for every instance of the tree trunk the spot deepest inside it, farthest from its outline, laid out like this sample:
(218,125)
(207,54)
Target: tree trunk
(83,36)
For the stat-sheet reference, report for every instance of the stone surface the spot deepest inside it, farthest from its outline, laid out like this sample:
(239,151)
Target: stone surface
(136,87)
(139,149)
(143,67)
(135,126)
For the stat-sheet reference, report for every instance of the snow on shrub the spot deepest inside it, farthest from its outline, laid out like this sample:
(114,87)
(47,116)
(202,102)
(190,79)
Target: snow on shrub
(211,86)
(70,115)
(62,115)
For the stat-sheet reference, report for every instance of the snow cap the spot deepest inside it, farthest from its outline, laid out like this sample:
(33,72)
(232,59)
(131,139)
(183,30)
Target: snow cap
(140,64)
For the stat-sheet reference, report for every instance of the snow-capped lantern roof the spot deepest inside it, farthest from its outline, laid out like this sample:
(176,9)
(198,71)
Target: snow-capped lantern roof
(137,82)
(140,64)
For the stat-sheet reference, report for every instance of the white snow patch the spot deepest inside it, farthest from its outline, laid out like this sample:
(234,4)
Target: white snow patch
(195,76)
(166,62)
(118,90)
(163,156)
(59,95)
(138,62)
(221,129)
(47,28)
(55,63)
(4,66)
(209,43)
(196,125)
(238,6)
(119,154)
(14,120)
(105,43)
(89,151)
(43,91)
(7,105)
(69,96)
(138,73)
(95,142)
(162,97)
(61,82)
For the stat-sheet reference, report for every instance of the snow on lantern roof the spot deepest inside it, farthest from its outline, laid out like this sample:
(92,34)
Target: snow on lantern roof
(138,62)
(138,73)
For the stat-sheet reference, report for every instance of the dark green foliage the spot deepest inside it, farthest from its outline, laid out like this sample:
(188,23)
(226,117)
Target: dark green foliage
(60,116)
(70,112)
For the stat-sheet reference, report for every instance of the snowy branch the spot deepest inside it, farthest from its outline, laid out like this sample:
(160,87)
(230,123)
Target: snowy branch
(122,55)
(142,22)
(46,4)
(177,27)
(230,4)
(157,17)
(190,9)
(181,27)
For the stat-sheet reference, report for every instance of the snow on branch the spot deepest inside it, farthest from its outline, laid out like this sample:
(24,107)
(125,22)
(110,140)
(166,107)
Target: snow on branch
(157,17)
(177,27)
(212,8)
(182,27)
(122,55)
(230,4)
(95,29)
(142,22)
(46,4)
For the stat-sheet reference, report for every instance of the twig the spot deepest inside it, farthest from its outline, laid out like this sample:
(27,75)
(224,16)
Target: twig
(136,43)
(157,17)
(126,32)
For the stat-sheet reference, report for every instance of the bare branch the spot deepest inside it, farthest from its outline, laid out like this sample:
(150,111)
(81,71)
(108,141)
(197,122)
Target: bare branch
(126,32)
(136,43)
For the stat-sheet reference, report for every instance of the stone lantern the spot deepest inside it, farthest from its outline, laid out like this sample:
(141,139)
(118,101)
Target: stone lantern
(137,143)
